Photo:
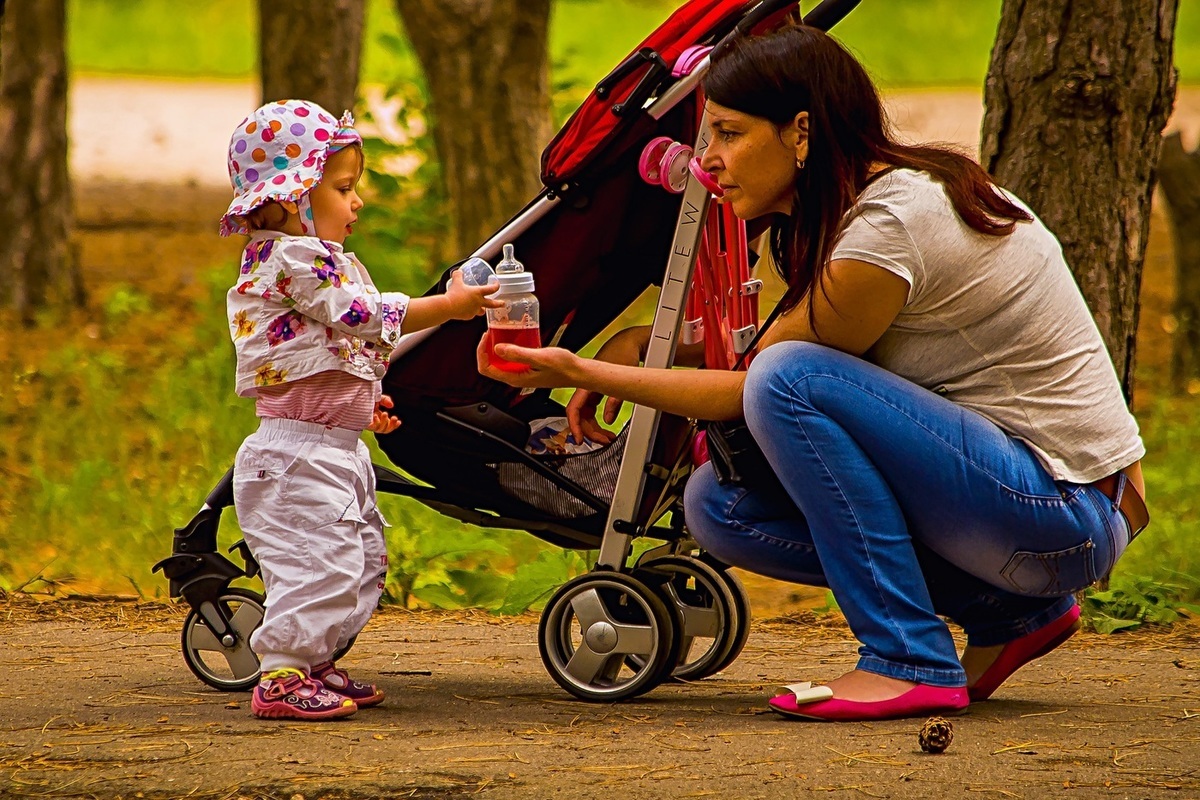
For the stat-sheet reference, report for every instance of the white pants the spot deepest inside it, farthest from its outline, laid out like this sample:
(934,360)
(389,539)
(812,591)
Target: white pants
(305,500)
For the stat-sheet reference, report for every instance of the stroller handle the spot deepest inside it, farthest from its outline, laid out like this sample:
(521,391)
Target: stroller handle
(829,13)
(823,17)
(760,12)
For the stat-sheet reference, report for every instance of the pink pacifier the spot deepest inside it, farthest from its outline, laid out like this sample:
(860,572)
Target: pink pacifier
(707,179)
(664,162)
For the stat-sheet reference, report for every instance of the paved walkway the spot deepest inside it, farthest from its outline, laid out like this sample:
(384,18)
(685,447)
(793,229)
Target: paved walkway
(168,131)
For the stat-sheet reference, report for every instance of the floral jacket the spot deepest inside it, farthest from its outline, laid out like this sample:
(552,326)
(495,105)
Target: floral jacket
(301,306)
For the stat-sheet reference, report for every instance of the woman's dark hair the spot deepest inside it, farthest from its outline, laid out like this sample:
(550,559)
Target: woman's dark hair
(799,68)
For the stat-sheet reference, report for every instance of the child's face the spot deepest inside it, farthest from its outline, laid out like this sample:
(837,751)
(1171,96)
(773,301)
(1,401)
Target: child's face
(335,200)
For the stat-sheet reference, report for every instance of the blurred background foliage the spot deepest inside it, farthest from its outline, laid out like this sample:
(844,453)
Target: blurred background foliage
(116,425)
(216,39)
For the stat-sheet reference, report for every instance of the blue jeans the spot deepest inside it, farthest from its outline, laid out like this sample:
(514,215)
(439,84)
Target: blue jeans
(908,507)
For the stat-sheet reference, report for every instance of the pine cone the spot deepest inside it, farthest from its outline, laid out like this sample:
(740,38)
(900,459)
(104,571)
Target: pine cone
(936,735)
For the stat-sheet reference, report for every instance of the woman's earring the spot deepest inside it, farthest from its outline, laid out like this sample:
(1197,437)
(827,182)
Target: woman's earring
(800,163)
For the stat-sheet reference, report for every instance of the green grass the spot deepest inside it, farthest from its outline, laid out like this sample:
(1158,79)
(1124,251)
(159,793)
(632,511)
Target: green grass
(1170,547)
(114,426)
(902,42)
(89,503)
(218,39)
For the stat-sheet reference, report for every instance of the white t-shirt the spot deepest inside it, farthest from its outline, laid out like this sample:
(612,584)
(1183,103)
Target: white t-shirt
(995,323)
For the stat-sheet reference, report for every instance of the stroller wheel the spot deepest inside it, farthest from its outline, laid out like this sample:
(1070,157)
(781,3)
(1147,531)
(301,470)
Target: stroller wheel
(337,654)
(710,613)
(740,629)
(594,624)
(233,668)
(650,161)
(673,172)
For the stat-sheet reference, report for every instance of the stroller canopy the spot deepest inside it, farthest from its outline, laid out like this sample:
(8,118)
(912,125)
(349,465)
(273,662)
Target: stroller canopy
(640,75)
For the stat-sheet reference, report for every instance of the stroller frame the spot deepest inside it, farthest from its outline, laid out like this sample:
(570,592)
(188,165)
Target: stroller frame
(618,630)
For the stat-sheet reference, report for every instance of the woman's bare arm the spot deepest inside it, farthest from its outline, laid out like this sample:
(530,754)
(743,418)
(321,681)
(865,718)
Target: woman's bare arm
(857,305)
(700,394)
(626,347)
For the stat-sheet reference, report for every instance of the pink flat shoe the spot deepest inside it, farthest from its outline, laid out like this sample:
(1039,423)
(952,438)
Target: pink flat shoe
(919,701)
(1020,652)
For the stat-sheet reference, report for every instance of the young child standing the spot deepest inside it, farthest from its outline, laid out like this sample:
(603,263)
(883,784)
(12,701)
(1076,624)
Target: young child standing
(313,336)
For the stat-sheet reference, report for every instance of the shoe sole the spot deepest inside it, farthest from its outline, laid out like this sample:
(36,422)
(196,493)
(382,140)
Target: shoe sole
(369,702)
(929,712)
(291,713)
(977,693)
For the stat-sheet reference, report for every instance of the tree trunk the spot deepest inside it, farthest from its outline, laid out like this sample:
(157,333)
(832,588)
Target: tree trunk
(309,50)
(36,256)
(486,66)
(1179,176)
(1077,95)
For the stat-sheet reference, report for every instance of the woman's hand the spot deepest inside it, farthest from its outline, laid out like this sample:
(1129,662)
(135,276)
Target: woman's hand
(581,416)
(626,347)
(697,393)
(381,421)
(549,367)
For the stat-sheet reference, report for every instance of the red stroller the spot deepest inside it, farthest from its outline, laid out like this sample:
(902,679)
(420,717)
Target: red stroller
(625,206)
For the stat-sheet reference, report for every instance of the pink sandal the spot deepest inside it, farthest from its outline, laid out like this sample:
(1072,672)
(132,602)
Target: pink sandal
(364,695)
(291,694)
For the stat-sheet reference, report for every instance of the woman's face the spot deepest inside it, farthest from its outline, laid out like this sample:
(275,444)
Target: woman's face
(753,160)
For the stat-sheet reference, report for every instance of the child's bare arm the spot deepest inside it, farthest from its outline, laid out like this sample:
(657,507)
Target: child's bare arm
(459,302)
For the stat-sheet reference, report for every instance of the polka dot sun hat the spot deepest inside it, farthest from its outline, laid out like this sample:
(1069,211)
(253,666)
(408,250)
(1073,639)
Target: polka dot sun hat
(278,153)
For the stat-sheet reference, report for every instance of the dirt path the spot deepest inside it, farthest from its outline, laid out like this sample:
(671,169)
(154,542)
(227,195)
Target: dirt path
(97,703)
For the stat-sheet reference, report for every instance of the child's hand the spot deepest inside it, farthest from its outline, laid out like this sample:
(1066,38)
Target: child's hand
(381,421)
(468,302)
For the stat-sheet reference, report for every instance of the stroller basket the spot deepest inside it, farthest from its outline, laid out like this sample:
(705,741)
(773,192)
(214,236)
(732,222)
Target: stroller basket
(594,473)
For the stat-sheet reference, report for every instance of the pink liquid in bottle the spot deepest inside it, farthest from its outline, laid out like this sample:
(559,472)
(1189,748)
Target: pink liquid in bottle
(524,337)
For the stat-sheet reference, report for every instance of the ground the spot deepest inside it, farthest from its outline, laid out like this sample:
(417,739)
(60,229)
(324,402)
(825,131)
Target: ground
(97,701)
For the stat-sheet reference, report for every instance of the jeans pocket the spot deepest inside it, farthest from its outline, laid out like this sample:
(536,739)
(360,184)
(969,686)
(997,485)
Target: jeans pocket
(1053,574)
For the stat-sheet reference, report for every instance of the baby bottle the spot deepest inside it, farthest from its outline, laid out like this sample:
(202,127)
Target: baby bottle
(516,322)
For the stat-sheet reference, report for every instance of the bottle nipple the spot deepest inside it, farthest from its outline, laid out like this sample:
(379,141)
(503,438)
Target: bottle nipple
(509,264)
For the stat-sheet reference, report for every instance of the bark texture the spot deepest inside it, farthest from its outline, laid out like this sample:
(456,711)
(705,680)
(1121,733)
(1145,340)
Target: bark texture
(36,255)
(486,66)
(1077,95)
(310,50)
(1179,176)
